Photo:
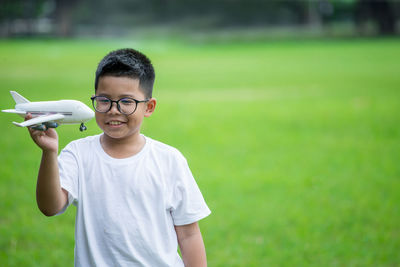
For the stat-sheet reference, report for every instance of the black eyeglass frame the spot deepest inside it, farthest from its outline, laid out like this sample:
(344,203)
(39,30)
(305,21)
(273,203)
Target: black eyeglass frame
(93,98)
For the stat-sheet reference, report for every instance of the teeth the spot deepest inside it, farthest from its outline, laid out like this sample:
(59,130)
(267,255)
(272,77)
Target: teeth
(114,122)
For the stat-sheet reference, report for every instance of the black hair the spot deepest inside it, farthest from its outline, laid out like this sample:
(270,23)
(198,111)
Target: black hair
(130,63)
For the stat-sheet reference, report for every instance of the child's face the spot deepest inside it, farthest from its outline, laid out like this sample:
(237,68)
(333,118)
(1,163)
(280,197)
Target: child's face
(113,123)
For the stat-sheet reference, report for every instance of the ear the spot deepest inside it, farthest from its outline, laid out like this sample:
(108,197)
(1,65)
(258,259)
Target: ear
(150,107)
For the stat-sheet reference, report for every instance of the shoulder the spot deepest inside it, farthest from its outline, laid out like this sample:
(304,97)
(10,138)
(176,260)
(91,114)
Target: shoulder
(160,146)
(164,151)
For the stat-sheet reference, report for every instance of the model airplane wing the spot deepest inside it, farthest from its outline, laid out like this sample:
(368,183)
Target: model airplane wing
(40,119)
(21,112)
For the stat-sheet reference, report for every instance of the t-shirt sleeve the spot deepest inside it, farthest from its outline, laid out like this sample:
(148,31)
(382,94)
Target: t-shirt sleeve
(69,173)
(188,205)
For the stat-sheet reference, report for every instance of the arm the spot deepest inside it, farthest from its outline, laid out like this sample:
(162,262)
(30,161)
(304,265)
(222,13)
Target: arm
(50,197)
(191,245)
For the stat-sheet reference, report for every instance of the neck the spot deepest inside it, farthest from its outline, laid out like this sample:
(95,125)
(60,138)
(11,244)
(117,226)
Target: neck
(122,148)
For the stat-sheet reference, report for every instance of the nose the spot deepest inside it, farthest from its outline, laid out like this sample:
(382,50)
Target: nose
(114,108)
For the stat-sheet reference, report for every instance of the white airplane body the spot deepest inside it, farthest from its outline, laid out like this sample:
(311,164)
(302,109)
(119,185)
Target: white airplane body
(49,114)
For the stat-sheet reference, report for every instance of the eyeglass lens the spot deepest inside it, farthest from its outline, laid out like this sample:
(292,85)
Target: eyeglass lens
(124,105)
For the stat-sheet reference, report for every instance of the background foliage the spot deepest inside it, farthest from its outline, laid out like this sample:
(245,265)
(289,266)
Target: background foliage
(65,18)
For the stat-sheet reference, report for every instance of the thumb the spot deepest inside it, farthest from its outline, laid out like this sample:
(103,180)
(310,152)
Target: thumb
(28,116)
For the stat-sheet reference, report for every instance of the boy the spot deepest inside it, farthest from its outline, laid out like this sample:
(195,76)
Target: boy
(136,198)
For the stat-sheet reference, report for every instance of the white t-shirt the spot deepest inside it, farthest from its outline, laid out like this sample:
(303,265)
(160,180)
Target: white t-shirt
(127,208)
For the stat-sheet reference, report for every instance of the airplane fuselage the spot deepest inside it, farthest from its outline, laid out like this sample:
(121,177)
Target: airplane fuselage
(73,111)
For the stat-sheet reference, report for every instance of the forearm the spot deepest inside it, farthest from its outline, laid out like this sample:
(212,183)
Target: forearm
(192,246)
(49,194)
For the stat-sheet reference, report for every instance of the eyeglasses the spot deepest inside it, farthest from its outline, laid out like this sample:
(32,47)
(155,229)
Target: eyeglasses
(125,105)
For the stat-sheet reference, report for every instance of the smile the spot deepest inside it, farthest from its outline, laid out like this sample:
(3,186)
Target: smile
(114,123)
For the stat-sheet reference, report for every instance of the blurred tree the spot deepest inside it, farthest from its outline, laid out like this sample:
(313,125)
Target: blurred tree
(381,12)
(17,16)
(21,17)
(67,17)
(63,16)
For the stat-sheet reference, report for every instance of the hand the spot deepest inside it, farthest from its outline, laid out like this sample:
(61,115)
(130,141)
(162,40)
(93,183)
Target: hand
(46,140)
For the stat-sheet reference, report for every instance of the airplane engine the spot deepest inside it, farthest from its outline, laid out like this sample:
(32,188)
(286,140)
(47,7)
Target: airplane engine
(51,124)
(41,127)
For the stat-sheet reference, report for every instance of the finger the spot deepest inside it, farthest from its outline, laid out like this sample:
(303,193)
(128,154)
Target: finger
(28,116)
(50,132)
(33,132)
(37,136)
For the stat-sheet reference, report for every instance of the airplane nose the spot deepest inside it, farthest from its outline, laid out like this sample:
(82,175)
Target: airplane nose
(89,114)
(84,113)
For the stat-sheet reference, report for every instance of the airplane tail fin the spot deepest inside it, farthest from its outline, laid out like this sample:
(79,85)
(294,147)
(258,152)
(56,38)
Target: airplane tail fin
(19,99)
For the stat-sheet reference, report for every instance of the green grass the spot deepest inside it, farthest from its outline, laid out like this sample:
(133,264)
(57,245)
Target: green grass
(295,146)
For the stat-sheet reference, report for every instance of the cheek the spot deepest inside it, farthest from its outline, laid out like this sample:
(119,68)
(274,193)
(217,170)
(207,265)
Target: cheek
(99,118)
(134,121)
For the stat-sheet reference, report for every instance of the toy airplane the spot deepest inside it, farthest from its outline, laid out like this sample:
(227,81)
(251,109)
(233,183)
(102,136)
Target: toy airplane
(49,114)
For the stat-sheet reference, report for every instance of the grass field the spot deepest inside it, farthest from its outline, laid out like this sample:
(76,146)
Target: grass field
(294,144)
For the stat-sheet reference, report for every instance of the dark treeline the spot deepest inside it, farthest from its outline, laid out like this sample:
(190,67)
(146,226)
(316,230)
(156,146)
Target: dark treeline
(68,17)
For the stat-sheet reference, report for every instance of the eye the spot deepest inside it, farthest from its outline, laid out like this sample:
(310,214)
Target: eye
(127,101)
(102,100)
